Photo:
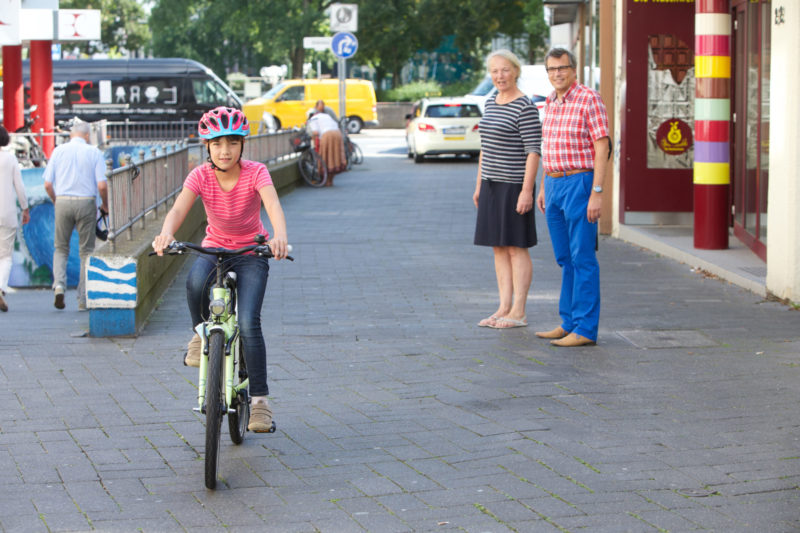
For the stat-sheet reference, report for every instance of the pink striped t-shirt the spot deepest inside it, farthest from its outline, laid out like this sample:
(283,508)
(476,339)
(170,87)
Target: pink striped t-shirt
(234,217)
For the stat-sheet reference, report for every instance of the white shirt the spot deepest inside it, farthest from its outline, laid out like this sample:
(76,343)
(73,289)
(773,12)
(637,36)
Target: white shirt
(10,180)
(75,169)
(322,123)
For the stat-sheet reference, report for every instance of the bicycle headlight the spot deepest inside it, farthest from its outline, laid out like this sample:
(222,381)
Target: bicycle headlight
(217,307)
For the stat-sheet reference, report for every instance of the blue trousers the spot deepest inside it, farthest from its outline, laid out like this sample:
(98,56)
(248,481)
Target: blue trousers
(574,238)
(251,283)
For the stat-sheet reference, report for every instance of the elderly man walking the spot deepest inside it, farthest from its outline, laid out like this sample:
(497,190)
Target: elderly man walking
(75,174)
(575,152)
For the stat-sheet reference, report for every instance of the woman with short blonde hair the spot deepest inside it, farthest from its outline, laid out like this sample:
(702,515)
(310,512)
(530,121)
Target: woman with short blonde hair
(510,150)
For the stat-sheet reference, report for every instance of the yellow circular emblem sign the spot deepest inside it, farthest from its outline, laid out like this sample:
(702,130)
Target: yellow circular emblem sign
(674,136)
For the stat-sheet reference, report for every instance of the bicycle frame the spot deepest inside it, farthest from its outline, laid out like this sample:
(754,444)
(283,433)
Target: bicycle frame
(226,322)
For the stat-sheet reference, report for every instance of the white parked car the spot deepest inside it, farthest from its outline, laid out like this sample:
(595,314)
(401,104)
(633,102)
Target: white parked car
(439,126)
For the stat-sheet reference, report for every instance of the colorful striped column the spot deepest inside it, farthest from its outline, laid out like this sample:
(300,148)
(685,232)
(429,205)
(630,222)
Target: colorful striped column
(712,109)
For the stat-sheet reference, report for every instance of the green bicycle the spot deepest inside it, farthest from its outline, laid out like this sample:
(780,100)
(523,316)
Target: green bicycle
(223,382)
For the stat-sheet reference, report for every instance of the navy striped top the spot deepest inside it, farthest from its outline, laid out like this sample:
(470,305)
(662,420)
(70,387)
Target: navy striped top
(508,134)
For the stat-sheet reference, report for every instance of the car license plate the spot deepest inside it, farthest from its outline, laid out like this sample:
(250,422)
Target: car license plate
(455,130)
(451,138)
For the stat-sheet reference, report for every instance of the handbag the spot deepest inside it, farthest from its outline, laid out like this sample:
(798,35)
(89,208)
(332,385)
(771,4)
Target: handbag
(101,227)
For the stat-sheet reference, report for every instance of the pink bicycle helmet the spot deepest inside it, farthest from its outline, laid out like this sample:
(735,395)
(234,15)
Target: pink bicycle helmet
(223,121)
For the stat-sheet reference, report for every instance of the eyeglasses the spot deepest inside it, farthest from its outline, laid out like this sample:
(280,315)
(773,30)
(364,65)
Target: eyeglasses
(553,70)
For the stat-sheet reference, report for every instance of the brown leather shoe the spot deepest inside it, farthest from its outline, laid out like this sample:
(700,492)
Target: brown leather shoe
(260,418)
(557,333)
(571,340)
(192,357)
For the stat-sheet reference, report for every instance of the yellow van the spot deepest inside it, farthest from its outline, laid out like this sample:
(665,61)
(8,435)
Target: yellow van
(288,102)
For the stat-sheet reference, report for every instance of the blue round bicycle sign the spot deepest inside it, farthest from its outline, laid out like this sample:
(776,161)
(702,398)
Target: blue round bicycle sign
(344,45)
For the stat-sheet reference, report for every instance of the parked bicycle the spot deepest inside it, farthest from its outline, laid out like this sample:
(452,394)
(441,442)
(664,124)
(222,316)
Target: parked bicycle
(312,166)
(352,152)
(222,389)
(24,144)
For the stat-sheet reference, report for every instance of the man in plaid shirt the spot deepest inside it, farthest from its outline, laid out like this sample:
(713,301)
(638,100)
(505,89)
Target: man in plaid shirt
(575,152)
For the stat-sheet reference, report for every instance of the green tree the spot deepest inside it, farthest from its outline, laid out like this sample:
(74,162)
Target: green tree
(536,29)
(388,35)
(282,25)
(248,34)
(473,23)
(122,22)
(243,35)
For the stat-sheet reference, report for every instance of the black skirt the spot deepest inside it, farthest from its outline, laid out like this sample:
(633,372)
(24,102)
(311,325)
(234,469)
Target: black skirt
(498,222)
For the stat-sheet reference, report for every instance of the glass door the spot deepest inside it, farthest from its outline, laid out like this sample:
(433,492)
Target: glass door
(750,124)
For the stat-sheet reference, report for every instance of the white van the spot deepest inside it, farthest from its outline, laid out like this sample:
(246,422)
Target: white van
(532,81)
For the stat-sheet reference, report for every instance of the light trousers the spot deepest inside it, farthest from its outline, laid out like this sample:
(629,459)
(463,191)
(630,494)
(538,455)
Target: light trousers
(7,235)
(73,213)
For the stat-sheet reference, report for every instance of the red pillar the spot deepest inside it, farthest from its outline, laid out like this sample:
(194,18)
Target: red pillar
(13,92)
(42,91)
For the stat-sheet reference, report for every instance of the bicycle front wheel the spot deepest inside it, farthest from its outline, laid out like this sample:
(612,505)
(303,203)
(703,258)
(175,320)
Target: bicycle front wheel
(313,168)
(214,407)
(239,417)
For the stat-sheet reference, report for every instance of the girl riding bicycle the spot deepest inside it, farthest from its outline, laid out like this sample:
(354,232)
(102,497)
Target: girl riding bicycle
(232,191)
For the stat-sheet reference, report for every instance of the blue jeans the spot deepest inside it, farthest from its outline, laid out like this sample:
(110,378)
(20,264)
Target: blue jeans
(251,282)
(574,238)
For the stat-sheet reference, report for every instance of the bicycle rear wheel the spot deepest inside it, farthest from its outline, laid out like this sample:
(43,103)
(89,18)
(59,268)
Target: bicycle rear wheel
(313,168)
(240,416)
(214,407)
(358,155)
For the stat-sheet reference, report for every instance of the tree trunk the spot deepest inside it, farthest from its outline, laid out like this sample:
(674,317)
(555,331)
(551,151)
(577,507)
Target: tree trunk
(298,57)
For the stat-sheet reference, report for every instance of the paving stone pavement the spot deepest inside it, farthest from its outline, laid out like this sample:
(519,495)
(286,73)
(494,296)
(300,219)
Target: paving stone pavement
(395,412)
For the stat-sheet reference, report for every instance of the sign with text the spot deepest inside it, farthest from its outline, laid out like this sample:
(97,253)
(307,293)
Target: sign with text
(319,44)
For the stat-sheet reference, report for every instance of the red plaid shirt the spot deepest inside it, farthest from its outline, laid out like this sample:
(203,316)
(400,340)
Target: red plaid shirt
(570,128)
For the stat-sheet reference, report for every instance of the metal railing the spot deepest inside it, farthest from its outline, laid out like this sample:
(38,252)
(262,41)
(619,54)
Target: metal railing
(145,185)
(136,131)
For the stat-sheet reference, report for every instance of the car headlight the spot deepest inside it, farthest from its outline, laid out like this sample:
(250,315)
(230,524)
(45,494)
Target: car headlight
(217,307)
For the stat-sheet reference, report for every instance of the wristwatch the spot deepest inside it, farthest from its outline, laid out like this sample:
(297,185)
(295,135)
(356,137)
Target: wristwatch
(597,188)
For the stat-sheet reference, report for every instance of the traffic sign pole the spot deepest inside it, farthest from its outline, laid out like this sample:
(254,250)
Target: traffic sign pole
(343,45)
(342,87)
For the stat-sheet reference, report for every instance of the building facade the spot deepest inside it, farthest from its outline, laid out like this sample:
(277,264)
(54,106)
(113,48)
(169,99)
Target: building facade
(706,100)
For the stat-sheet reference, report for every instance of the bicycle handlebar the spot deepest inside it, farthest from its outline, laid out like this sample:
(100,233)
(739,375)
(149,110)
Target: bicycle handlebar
(263,250)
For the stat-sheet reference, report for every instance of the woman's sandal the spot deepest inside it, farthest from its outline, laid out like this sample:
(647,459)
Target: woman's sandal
(488,321)
(508,323)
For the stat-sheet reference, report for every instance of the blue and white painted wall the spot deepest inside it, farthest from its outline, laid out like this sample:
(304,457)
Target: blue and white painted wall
(111,295)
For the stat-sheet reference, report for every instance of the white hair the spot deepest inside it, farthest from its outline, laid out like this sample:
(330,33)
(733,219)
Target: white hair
(81,127)
(509,56)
